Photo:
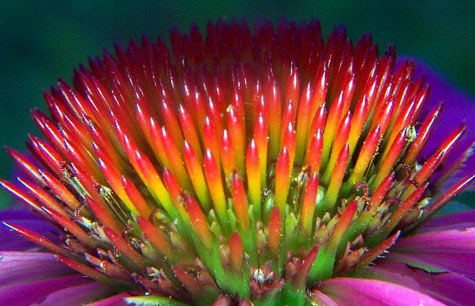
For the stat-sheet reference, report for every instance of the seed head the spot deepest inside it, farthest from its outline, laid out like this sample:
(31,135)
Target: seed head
(244,166)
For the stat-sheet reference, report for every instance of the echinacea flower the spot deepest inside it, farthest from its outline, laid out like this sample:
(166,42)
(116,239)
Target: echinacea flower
(260,167)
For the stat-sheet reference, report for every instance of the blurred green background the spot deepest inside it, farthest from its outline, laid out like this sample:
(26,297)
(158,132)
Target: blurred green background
(44,40)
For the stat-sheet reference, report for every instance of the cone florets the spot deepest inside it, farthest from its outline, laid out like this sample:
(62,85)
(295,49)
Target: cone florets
(244,166)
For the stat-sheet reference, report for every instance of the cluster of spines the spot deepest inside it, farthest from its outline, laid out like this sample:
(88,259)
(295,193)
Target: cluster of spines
(237,149)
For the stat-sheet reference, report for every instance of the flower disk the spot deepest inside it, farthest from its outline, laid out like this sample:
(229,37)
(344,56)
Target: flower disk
(241,167)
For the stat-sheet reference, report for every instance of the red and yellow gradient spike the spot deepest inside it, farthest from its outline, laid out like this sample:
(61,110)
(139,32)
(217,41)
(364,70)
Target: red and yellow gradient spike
(153,182)
(341,139)
(332,122)
(198,219)
(175,160)
(293,87)
(171,122)
(103,214)
(403,121)
(196,175)
(59,189)
(333,191)
(237,134)
(236,252)
(289,142)
(79,233)
(282,180)
(320,86)
(357,123)
(326,258)
(365,156)
(314,153)
(189,130)
(444,198)
(172,185)
(210,139)
(156,237)
(113,177)
(288,119)
(214,115)
(228,159)
(101,141)
(303,119)
(47,155)
(308,205)
(37,239)
(275,230)
(436,159)
(216,188)
(125,248)
(261,138)
(43,197)
(253,172)
(423,135)
(318,123)
(240,202)
(403,209)
(383,117)
(22,195)
(136,198)
(26,165)
(84,269)
(391,158)
(275,114)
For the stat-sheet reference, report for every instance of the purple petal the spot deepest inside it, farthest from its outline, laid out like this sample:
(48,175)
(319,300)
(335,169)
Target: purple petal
(10,241)
(21,267)
(456,221)
(451,240)
(450,288)
(116,300)
(458,107)
(458,262)
(18,213)
(440,251)
(353,291)
(35,292)
(78,295)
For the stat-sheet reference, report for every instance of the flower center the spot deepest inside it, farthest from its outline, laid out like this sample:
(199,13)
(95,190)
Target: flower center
(244,163)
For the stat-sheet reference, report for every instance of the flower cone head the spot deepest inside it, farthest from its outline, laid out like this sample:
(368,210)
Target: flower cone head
(241,166)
